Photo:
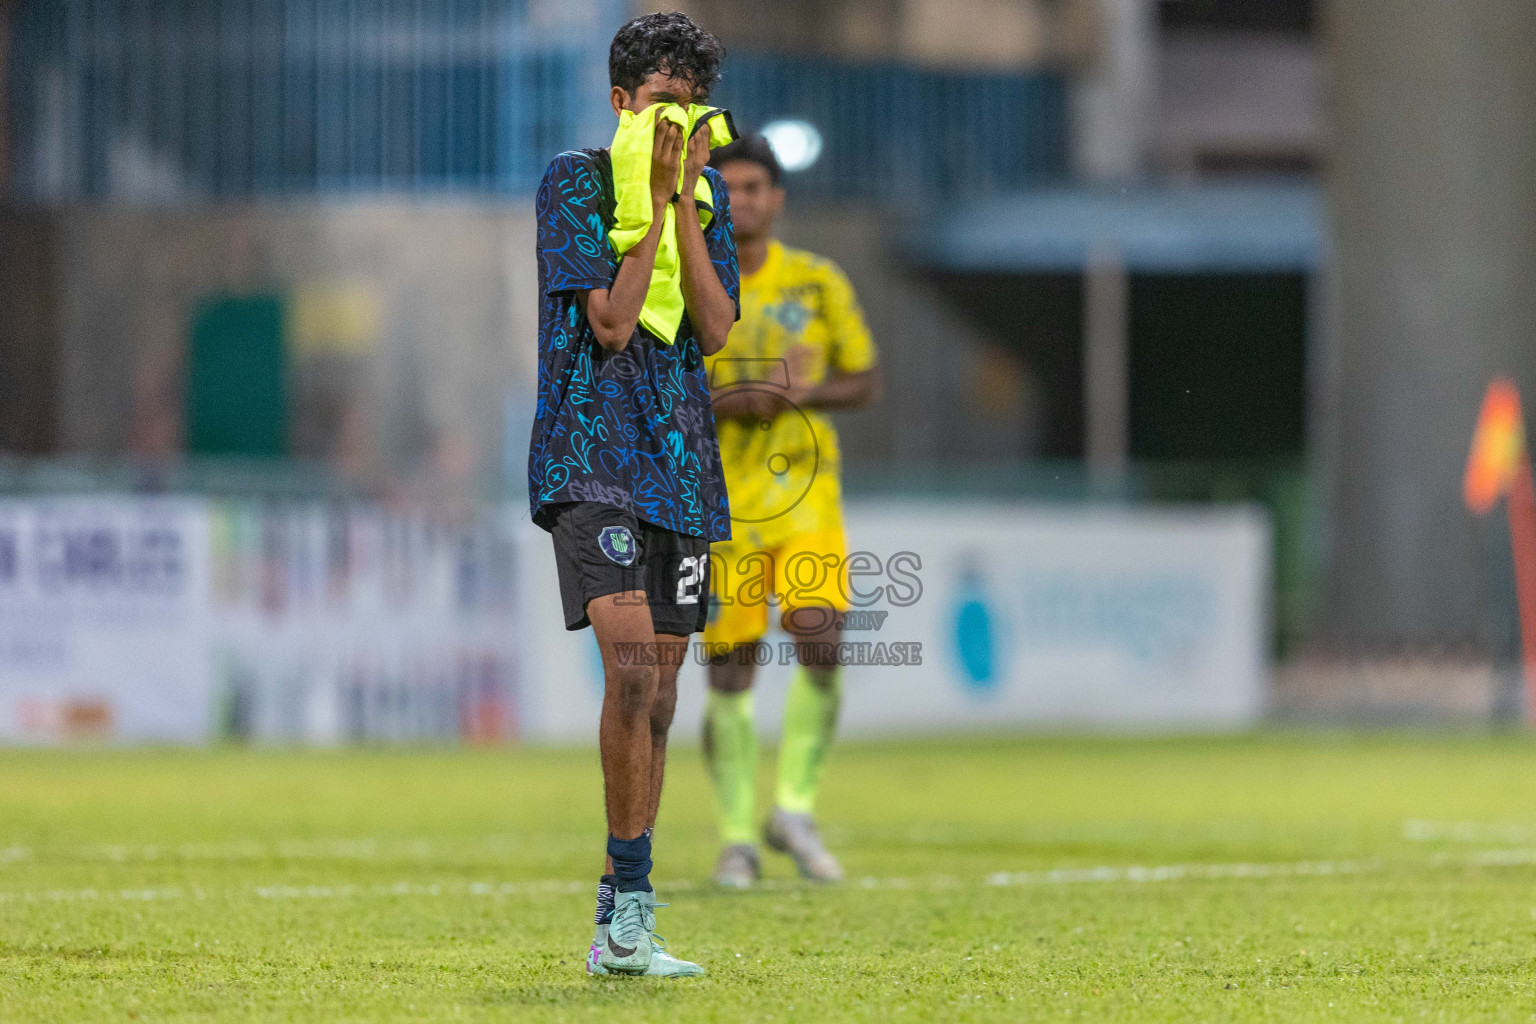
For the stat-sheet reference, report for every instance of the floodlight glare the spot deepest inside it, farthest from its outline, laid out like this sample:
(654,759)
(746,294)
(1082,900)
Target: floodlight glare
(796,143)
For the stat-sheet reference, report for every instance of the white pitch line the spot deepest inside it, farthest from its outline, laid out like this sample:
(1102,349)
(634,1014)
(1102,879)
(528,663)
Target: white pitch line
(1103,874)
(363,849)
(1417,830)
(373,848)
(1180,872)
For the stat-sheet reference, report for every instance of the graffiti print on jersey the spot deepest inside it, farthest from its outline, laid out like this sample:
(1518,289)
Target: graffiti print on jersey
(632,429)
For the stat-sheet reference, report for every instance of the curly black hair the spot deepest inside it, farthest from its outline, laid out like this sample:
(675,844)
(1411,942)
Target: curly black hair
(669,43)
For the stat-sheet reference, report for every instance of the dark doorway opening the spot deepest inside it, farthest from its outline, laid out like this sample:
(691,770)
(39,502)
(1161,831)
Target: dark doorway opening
(1298,16)
(1218,367)
(1038,319)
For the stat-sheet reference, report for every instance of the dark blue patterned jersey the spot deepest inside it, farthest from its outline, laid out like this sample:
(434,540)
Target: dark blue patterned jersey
(631,429)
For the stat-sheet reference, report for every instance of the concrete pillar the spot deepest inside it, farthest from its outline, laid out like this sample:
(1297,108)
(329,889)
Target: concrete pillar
(1433,186)
(1106,363)
(1115,99)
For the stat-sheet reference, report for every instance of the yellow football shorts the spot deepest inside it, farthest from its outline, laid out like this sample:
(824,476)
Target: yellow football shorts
(807,573)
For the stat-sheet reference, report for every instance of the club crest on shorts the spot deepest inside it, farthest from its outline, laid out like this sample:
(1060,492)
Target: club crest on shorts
(618,544)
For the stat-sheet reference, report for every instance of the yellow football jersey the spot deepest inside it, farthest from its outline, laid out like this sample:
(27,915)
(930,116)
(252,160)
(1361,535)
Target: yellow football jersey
(783,477)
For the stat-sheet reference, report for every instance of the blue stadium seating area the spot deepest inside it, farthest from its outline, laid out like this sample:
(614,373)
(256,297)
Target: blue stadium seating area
(183,100)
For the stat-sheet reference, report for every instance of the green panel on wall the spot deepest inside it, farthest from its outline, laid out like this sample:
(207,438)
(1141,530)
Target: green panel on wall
(237,388)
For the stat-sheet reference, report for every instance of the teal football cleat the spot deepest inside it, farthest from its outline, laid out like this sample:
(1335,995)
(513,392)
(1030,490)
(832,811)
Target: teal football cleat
(596,950)
(627,948)
(665,965)
(662,964)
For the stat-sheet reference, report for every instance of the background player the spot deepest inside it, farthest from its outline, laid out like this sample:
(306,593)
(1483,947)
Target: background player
(624,470)
(801,350)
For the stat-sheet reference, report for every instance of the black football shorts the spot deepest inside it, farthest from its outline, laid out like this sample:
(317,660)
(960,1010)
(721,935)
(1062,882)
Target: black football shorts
(602,550)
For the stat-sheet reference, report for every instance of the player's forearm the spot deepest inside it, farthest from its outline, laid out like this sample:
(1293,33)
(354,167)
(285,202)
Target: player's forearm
(709,305)
(736,402)
(613,312)
(844,391)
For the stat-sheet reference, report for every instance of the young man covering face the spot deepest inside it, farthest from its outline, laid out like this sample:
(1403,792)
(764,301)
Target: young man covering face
(637,284)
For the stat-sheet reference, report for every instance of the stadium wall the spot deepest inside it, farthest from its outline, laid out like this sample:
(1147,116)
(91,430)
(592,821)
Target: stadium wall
(406,325)
(418,320)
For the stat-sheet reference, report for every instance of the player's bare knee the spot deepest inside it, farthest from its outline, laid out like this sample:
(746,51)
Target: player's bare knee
(732,673)
(819,651)
(811,622)
(631,687)
(664,706)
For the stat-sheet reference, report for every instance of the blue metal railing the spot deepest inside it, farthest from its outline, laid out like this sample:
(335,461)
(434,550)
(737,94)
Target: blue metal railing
(166,100)
(891,129)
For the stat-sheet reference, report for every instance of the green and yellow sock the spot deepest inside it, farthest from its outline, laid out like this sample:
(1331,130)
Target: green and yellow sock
(810,720)
(730,748)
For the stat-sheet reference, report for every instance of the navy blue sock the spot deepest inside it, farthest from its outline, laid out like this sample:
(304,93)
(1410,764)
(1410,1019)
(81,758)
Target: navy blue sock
(631,862)
(605,898)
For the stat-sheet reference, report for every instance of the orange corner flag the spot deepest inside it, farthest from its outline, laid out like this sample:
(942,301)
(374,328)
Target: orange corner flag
(1499,467)
(1498,446)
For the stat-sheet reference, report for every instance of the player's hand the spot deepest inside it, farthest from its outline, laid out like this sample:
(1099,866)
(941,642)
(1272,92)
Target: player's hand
(765,406)
(696,159)
(797,361)
(666,162)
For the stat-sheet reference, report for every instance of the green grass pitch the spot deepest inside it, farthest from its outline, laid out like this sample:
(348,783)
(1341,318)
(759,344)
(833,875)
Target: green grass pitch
(1278,877)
